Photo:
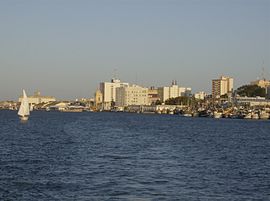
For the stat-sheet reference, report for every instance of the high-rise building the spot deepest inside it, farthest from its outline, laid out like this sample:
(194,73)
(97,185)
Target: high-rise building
(108,90)
(131,95)
(173,91)
(222,86)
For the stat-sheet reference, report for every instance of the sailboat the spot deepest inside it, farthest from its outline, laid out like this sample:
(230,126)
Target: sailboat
(24,111)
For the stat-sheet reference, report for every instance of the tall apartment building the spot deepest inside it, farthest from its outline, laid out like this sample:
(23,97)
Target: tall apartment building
(222,86)
(108,90)
(173,91)
(131,95)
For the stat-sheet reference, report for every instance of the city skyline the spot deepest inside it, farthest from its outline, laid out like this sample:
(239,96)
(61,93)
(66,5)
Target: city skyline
(65,49)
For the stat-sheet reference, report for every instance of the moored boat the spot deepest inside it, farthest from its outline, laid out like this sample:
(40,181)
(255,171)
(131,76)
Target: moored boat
(263,115)
(217,115)
(203,113)
(255,116)
(248,116)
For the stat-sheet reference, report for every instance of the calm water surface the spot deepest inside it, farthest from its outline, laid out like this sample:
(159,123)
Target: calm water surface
(119,156)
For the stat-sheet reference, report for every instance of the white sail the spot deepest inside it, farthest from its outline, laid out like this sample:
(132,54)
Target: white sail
(24,108)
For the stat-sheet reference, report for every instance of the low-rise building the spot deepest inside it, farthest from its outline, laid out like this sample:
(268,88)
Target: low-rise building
(59,106)
(37,99)
(153,95)
(200,95)
(261,83)
(131,95)
(252,101)
(173,91)
(183,91)
(98,100)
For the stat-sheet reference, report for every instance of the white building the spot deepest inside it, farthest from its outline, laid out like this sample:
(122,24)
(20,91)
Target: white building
(37,99)
(252,101)
(131,95)
(261,83)
(222,86)
(173,91)
(184,91)
(200,95)
(108,90)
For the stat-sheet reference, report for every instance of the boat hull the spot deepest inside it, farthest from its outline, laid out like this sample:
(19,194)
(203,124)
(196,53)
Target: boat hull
(24,118)
(217,115)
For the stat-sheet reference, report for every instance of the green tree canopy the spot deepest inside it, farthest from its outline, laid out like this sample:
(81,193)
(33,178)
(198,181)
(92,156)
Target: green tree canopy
(158,102)
(179,100)
(251,91)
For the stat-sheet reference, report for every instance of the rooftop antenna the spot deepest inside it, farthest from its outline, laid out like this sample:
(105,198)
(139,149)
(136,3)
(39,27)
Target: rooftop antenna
(263,71)
(115,73)
(114,78)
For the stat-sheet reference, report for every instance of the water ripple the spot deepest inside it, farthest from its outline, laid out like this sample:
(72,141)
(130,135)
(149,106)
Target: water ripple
(108,156)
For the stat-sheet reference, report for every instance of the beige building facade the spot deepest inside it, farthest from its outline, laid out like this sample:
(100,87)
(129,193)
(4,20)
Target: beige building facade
(173,91)
(261,83)
(153,95)
(98,99)
(200,95)
(37,99)
(222,86)
(108,90)
(131,95)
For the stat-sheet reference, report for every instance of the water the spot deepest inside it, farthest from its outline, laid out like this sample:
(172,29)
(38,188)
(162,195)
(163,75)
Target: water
(121,156)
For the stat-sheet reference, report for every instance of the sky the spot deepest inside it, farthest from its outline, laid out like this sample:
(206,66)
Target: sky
(65,48)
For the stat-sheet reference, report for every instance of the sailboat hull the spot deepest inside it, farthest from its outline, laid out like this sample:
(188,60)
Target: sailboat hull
(24,118)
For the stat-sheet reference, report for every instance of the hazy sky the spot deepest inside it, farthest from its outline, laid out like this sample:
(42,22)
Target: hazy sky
(65,48)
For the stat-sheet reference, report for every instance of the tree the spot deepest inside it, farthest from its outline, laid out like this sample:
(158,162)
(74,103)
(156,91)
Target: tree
(224,96)
(181,100)
(158,102)
(251,91)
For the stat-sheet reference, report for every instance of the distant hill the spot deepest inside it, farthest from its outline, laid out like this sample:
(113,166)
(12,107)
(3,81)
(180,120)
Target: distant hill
(251,91)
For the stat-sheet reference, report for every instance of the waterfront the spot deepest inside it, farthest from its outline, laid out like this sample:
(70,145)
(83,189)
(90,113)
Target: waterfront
(128,156)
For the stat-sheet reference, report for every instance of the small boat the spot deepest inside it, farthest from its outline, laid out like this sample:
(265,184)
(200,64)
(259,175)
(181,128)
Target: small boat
(187,115)
(24,110)
(264,115)
(217,115)
(203,113)
(195,114)
(248,116)
(31,108)
(255,116)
